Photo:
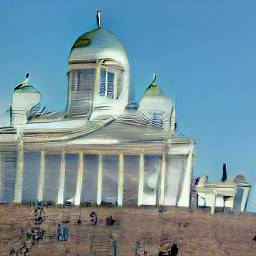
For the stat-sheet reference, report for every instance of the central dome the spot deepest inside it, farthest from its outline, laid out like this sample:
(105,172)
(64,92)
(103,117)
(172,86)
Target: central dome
(98,75)
(98,44)
(100,38)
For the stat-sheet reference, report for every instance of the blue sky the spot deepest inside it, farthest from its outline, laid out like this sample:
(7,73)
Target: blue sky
(203,51)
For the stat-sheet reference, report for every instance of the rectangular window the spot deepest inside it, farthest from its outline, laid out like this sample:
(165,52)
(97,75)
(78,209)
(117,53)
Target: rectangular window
(110,90)
(107,83)
(102,82)
(157,119)
(81,94)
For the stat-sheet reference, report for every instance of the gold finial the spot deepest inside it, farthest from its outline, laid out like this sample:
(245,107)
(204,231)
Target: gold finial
(99,18)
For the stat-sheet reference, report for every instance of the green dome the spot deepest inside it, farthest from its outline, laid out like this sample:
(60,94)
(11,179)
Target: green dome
(98,44)
(26,89)
(98,38)
(154,89)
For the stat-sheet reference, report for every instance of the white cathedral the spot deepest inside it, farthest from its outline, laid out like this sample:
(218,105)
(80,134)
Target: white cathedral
(103,148)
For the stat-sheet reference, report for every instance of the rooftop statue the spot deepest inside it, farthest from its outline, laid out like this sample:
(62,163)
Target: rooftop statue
(24,83)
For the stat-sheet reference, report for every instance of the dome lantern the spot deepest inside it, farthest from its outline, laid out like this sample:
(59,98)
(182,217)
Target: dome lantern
(98,75)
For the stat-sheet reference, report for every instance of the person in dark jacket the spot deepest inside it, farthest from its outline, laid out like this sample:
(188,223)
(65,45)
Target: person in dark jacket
(174,250)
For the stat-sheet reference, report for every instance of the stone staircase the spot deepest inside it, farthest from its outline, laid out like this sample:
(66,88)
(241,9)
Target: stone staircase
(102,245)
(95,239)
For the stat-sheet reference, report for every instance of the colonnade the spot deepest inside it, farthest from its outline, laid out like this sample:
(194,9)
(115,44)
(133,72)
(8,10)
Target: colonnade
(183,200)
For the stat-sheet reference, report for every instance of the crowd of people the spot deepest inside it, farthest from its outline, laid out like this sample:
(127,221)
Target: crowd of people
(33,235)
(36,233)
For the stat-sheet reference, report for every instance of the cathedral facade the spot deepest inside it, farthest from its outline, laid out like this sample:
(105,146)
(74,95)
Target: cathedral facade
(103,147)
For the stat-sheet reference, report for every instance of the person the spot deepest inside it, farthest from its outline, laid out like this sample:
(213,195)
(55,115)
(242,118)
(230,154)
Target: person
(138,248)
(37,236)
(23,250)
(79,221)
(114,247)
(161,253)
(38,211)
(65,233)
(38,220)
(110,221)
(29,234)
(93,218)
(39,217)
(12,252)
(174,250)
(161,209)
(58,233)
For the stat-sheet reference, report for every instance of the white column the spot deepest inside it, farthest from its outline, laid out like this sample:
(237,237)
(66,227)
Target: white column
(244,198)
(19,174)
(1,176)
(184,199)
(79,180)
(40,190)
(120,180)
(163,170)
(99,184)
(233,203)
(141,180)
(213,202)
(61,180)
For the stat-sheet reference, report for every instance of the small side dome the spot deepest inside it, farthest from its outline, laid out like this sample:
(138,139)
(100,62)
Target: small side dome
(24,98)
(157,106)
(154,89)
(203,180)
(154,92)
(239,178)
(24,87)
(27,88)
